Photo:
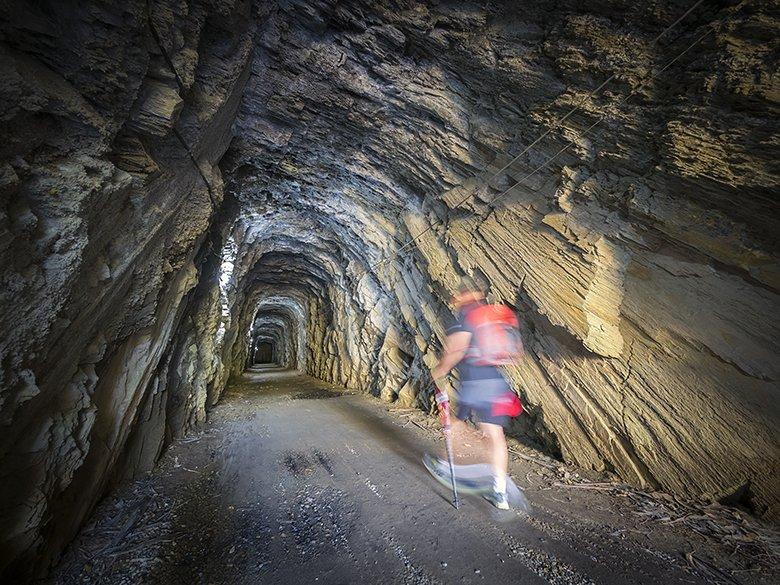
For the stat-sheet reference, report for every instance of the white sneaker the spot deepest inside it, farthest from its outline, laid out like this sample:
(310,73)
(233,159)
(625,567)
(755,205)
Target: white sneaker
(498,499)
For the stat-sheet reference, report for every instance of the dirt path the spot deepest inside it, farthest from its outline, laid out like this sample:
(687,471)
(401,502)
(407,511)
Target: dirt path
(292,482)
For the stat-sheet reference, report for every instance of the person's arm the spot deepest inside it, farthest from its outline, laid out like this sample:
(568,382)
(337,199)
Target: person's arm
(456,346)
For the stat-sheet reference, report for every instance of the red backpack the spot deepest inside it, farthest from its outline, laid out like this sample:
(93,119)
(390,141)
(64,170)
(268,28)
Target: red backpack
(496,340)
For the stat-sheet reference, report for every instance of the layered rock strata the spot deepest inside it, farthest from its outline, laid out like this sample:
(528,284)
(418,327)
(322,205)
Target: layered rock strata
(114,116)
(372,152)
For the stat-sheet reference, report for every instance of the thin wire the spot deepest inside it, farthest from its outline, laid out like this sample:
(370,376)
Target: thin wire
(601,119)
(436,223)
(582,101)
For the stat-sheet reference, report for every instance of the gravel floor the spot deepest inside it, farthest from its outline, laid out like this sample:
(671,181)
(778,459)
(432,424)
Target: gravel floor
(295,481)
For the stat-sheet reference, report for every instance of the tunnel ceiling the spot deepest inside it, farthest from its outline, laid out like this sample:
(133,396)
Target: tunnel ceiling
(179,180)
(354,115)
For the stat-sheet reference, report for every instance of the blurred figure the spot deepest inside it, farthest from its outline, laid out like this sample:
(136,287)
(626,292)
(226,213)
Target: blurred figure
(483,338)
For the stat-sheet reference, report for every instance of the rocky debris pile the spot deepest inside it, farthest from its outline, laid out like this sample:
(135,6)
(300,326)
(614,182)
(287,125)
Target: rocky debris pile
(755,544)
(126,539)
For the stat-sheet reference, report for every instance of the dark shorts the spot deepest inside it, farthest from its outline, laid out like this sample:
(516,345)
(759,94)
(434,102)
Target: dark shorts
(476,399)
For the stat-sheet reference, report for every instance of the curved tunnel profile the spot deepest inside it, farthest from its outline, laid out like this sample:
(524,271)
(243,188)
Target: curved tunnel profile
(278,333)
(191,188)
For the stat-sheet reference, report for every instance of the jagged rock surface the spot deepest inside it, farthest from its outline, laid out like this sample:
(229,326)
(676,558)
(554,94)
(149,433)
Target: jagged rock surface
(642,258)
(103,215)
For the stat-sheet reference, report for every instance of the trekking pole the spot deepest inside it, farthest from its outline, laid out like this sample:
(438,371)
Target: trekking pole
(443,402)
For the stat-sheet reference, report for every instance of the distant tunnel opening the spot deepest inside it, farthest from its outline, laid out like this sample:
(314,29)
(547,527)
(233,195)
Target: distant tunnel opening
(264,354)
(277,326)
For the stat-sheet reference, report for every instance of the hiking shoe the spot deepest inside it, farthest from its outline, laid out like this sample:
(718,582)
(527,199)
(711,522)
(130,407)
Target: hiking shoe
(498,499)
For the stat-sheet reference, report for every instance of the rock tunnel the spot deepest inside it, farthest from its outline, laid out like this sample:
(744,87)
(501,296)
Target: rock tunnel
(188,188)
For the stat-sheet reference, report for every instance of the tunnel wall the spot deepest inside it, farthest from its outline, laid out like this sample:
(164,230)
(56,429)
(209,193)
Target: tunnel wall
(642,259)
(106,312)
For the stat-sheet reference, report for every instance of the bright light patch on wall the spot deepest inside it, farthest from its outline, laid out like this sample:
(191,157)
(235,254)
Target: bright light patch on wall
(225,277)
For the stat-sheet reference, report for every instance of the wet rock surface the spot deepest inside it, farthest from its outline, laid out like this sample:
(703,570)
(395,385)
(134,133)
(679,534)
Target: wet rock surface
(352,503)
(183,182)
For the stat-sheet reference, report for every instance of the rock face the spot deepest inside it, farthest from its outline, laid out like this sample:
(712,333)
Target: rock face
(371,153)
(114,116)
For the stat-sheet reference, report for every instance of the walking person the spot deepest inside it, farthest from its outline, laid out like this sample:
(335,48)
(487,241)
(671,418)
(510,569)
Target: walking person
(482,338)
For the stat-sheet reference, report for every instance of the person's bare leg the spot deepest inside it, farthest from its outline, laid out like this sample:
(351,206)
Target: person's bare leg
(497,453)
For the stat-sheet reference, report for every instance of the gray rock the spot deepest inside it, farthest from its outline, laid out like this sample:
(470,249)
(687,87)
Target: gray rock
(181,182)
